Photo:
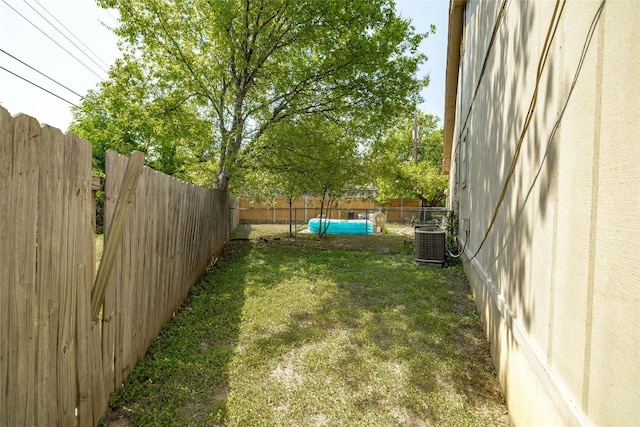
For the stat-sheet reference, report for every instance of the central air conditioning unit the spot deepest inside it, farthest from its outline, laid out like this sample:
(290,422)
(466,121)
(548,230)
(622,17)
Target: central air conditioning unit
(430,245)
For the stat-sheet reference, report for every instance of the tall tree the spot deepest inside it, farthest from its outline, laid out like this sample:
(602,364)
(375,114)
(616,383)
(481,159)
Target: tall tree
(247,64)
(398,173)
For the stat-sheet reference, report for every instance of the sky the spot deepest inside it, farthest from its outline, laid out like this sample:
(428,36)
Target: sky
(78,60)
(424,13)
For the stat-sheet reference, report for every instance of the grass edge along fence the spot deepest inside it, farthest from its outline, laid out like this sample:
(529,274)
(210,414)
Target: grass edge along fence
(58,365)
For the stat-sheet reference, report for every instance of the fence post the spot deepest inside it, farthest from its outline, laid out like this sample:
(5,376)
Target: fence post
(120,214)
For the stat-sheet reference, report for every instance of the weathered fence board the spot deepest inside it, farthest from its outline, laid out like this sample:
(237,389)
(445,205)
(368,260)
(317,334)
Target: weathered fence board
(21,262)
(46,247)
(50,191)
(121,211)
(171,235)
(109,308)
(79,265)
(6,246)
(57,364)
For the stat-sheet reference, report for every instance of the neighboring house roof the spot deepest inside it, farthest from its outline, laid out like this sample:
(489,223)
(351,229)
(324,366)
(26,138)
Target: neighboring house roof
(456,22)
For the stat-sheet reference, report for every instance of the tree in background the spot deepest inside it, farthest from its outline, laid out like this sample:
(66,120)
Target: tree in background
(131,113)
(400,174)
(228,70)
(310,155)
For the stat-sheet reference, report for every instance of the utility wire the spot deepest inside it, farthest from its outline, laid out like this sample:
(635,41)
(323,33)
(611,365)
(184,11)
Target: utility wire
(556,126)
(49,37)
(38,86)
(551,32)
(70,32)
(115,21)
(41,73)
(494,35)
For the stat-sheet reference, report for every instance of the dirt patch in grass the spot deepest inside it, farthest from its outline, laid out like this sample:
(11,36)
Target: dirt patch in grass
(287,331)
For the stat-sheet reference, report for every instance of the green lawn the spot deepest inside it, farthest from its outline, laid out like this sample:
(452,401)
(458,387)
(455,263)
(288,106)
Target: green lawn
(314,333)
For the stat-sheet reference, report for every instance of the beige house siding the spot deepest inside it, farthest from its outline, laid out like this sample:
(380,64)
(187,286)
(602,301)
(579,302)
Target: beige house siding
(557,279)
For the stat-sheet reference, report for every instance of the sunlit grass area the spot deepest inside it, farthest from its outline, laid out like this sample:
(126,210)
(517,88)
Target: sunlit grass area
(281,333)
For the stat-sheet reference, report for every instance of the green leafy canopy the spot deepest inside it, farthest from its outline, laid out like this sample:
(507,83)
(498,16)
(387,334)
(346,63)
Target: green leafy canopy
(228,70)
(398,173)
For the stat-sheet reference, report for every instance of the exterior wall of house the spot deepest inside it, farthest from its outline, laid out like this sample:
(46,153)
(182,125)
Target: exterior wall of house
(556,275)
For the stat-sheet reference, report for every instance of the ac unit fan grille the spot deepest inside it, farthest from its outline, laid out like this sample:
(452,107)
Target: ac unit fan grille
(430,246)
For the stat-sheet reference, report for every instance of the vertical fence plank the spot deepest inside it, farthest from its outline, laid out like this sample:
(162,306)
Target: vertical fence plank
(50,207)
(179,235)
(199,244)
(82,234)
(66,340)
(165,243)
(188,202)
(100,396)
(172,250)
(151,261)
(156,278)
(139,267)
(136,273)
(21,279)
(129,184)
(112,184)
(6,248)
(146,274)
(144,263)
(125,303)
(152,250)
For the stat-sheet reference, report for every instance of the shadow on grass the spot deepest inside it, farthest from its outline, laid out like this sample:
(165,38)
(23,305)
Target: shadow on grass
(280,333)
(360,338)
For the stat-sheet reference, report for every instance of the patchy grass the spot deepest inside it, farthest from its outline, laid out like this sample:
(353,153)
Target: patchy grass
(317,334)
(398,238)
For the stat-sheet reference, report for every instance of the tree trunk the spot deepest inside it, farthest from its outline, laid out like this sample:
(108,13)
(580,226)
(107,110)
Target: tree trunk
(290,216)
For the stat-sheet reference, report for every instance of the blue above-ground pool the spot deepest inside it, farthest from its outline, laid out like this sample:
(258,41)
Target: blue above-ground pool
(342,226)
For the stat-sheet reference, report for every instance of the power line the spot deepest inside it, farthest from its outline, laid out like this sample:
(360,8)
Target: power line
(70,32)
(49,37)
(40,72)
(65,36)
(82,97)
(38,86)
(115,21)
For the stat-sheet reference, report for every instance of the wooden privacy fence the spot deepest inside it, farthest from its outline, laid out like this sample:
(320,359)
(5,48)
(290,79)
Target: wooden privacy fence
(307,207)
(171,236)
(57,365)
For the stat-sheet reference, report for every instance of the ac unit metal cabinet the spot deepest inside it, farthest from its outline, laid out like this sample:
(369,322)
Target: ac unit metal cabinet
(430,245)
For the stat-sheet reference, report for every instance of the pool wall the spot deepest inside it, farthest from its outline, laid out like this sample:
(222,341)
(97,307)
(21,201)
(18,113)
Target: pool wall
(342,226)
